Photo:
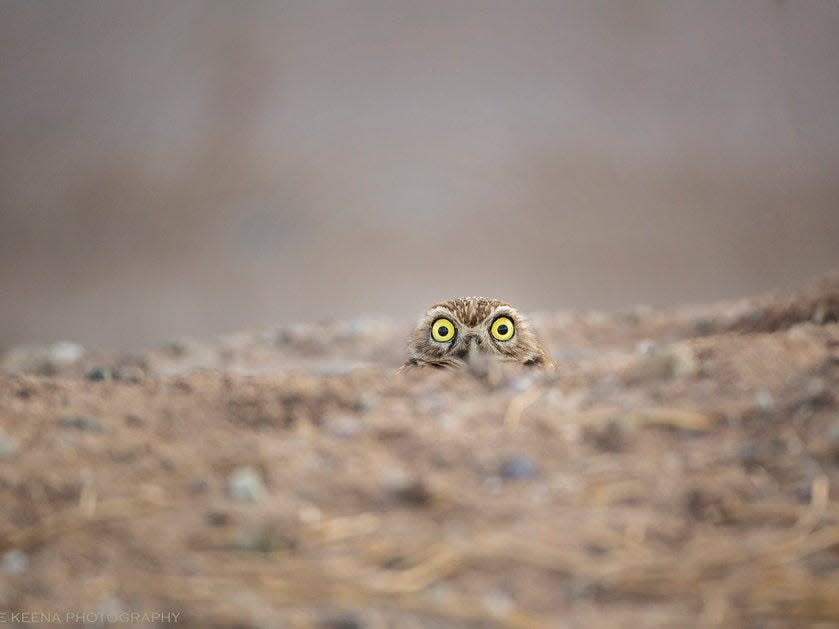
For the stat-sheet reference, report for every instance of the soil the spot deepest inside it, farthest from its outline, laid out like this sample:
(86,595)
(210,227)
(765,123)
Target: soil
(681,468)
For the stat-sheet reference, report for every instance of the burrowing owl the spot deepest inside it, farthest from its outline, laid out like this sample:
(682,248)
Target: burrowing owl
(456,331)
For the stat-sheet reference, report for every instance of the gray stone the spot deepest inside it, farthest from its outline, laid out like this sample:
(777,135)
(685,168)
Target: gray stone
(406,487)
(98,373)
(368,401)
(245,485)
(15,562)
(8,446)
(518,468)
(344,427)
(65,353)
(764,401)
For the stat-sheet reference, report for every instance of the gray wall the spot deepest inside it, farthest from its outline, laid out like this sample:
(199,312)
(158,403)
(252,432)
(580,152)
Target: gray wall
(190,168)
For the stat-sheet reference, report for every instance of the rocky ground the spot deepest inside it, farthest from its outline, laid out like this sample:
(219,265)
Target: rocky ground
(681,468)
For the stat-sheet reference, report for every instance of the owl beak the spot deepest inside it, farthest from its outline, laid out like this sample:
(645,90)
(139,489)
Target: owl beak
(472,351)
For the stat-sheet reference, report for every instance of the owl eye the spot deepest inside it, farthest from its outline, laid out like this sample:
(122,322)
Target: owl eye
(442,330)
(502,329)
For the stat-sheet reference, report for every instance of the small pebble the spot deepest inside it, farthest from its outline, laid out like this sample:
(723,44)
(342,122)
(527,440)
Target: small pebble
(521,384)
(245,485)
(97,374)
(734,419)
(756,316)
(367,402)
(571,432)
(128,373)
(518,468)
(15,562)
(815,395)
(8,446)
(803,493)
(352,329)
(65,353)
(675,361)
(821,313)
(344,427)
(498,603)
(406,488)
(81,422)
(449,422)
(684,361)
(764,401)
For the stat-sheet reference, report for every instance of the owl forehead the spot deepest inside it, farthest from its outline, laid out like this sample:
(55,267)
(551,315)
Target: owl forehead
(471,311)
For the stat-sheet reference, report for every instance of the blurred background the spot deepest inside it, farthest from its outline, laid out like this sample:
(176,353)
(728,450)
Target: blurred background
(191,168)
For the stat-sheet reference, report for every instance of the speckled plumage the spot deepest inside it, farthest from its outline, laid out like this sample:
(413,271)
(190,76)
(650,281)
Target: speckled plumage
(473,318)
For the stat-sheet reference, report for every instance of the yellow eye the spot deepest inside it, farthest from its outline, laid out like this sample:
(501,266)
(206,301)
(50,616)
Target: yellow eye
(442,330)
(503,329)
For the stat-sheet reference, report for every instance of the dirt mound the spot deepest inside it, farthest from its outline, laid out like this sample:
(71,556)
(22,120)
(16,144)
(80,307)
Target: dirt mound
(679,468)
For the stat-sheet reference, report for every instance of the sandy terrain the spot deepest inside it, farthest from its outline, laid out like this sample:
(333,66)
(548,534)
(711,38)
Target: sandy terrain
(680,469)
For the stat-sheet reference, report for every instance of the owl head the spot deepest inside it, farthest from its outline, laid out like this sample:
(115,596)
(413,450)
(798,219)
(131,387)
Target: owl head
(454,332)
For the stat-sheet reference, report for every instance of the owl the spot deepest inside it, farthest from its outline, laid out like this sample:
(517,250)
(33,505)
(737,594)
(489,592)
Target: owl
(455,332)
